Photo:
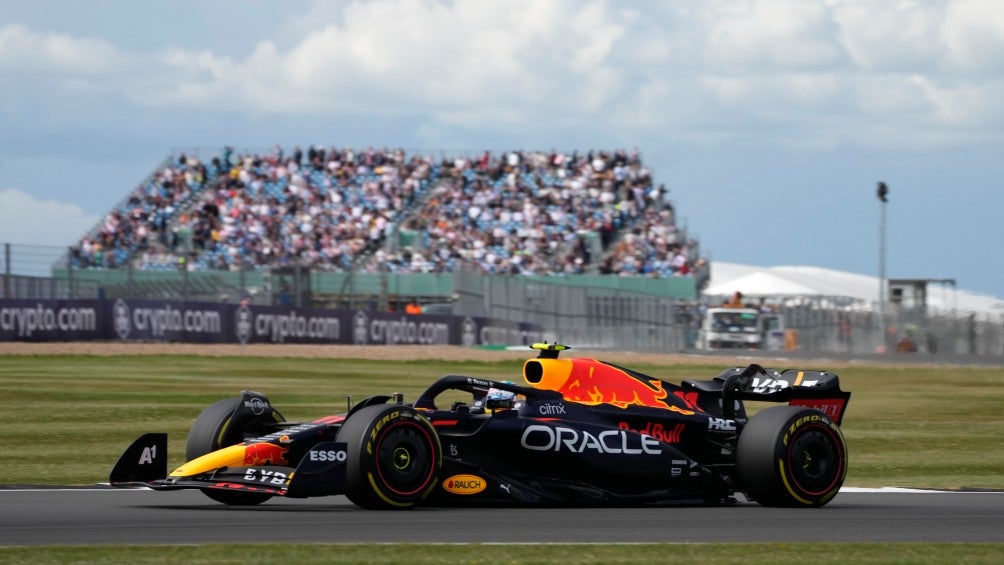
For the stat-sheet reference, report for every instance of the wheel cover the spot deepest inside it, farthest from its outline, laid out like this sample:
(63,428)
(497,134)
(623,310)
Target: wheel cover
(405,458)
(816,460)
(402,458)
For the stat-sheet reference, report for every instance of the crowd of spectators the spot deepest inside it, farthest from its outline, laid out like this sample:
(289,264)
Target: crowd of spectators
(546,213)
(320,208)
(142,221)
(514,212)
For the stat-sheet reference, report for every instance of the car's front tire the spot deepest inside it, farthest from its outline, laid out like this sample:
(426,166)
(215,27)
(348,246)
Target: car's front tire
(394,456)
(210,432)
(791,456)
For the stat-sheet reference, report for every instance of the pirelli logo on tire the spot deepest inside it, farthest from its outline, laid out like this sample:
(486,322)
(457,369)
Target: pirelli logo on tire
(801,422)
(378,426)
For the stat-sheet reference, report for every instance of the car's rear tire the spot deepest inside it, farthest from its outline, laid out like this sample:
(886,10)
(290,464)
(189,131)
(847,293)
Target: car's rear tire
(208,433)
(394,457)
(791,456)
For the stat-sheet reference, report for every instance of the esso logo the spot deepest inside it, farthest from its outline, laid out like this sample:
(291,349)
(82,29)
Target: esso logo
(330,455)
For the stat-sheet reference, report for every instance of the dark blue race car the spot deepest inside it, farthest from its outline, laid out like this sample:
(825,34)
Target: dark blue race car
(579,431)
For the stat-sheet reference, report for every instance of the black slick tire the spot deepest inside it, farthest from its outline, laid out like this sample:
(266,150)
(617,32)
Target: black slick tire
(394,457)
(791,456)
(208,434)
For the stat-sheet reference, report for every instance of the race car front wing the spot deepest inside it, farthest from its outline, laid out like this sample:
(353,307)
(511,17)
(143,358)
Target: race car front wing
(320,472)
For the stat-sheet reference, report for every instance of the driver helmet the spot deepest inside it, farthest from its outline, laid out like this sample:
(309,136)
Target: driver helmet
(498,399)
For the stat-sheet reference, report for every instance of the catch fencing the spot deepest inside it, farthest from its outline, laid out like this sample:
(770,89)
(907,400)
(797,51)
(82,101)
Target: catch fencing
(596,312)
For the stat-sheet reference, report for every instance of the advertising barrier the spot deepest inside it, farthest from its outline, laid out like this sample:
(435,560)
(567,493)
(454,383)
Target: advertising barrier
(205,322)
(51,320)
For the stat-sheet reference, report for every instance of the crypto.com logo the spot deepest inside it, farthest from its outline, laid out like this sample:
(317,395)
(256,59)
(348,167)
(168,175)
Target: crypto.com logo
(469,332)
(243,322)
(120,316)
(360,328)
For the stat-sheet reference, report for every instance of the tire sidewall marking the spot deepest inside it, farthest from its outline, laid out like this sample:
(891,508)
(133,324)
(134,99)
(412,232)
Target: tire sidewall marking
(796,428)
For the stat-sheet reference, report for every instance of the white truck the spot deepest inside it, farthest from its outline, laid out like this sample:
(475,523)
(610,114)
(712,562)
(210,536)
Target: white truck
(730,328)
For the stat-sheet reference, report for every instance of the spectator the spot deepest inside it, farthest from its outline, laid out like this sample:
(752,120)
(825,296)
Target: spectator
(736,301)
(514,212)
(140,223)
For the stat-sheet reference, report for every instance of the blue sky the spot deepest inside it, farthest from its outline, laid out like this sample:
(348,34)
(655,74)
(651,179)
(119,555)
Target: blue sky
(771,121)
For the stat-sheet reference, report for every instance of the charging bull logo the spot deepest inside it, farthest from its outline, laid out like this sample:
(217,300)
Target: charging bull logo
(591,382)
(258,454)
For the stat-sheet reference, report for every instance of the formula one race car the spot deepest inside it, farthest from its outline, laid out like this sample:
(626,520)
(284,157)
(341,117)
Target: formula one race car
(582,432)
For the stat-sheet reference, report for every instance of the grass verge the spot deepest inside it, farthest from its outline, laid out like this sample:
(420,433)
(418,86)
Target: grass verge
(67,418)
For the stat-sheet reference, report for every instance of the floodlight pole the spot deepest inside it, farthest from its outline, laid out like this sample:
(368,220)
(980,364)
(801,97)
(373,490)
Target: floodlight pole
(882,193)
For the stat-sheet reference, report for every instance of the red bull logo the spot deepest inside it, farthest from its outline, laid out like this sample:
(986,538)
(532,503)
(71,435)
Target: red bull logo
(257,454)
(657,430)
(688,398)
(592,382)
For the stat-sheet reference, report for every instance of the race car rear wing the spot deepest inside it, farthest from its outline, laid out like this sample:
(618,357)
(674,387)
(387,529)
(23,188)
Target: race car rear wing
(798,387)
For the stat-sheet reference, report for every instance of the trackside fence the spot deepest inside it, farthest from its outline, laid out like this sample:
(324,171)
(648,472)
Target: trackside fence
(583,311)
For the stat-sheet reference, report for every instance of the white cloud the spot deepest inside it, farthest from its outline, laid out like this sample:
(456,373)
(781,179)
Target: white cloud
(421,56)
(27,51)
(763,35)
(820,71)
(24,220)
(961,104)
(974,33)
(891,37)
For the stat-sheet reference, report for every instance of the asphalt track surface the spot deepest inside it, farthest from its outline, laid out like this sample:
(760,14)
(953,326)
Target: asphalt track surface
(111,516)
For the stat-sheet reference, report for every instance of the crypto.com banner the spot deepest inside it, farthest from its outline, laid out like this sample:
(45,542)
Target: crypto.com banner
(51,320)
(205,322)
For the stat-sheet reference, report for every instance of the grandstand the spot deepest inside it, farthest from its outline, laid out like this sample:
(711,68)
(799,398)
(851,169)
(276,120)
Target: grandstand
(376,211)
(582,245)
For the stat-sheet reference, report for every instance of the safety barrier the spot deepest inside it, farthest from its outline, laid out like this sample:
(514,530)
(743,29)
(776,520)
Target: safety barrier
(208,322)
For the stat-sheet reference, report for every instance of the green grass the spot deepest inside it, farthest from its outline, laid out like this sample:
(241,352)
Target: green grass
(66,419)
(740,553)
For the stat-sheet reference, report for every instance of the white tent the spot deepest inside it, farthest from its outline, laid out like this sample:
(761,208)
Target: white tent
(805,281)
(760,283)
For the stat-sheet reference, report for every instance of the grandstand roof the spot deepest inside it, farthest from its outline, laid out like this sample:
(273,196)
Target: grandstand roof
(794,281)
